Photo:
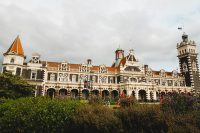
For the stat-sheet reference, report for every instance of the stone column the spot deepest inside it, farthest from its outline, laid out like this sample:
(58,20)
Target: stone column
(136,94)
(69,93)
(43,90)
(79,93)
(36,90)
(154,96)
(56,92)
(148,95)
(129,92)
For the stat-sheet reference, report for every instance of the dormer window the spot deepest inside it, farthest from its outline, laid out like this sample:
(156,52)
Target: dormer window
(12,60)
(84,68)
(64,67)
(162,73)
(103,69)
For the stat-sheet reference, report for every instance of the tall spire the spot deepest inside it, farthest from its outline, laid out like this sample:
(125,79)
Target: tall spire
(16,48)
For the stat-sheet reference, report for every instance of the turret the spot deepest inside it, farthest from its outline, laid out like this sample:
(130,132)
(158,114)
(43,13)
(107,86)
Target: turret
(14,58)
(119,55)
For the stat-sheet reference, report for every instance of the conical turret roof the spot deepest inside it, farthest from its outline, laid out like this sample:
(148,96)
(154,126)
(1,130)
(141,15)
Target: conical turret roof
(16,48)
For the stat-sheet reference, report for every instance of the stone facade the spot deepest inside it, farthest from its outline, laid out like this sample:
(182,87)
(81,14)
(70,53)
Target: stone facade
(126,76)
(187,54)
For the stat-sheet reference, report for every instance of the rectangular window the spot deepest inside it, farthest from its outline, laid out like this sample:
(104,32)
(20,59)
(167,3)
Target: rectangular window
(74,78)
(33,75)
(52,77)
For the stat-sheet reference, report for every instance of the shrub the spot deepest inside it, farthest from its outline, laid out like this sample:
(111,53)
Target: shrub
(178,103)
(96,100)
(36,115)
(181,123)
(95,119)
(142,118)
(196,117)
(127,101)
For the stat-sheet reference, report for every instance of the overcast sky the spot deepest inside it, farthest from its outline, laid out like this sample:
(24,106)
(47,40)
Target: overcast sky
(76,30)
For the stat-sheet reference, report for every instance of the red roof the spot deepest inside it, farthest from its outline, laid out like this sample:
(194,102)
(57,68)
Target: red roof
(16,48)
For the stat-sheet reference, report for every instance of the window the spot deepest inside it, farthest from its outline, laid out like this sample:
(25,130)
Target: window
(184,67)
(162,73)
(33,75)
(111,80)
(73,78)
(175,73)
(103,79)
(103,69)
(12,60)
(133,80)
(52,77)
(35,59)
(194,66)
(169,82)
(63,77)
(163,83)
(64,67)
(83,68)
(94,78)
(176,83)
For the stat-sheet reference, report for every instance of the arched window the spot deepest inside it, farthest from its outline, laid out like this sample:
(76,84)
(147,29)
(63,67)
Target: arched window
(133,80)
(12,60)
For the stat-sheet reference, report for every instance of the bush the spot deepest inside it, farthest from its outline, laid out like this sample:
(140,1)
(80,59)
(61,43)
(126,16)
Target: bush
(196,117)
(142,118)
(36,115)
(178,103)
(96,100)
(42,114)
(181,123)
(127,101)
(95,119)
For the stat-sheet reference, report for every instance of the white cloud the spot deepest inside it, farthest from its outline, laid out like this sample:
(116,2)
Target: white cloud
(77,29)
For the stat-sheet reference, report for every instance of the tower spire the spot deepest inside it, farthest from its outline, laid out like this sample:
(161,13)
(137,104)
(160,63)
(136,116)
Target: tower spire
(16,48)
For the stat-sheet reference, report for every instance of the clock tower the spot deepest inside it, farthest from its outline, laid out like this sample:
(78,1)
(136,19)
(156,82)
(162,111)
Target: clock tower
(187,54)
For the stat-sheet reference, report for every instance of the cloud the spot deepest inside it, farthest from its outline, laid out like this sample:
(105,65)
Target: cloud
(76,30)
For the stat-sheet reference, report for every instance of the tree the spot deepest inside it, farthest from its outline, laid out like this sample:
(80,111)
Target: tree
(12,86)
(37,115)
